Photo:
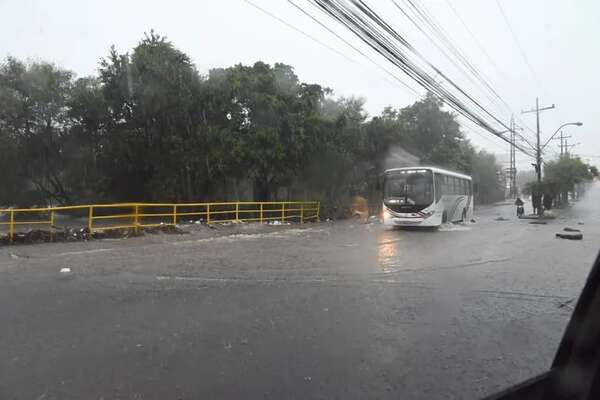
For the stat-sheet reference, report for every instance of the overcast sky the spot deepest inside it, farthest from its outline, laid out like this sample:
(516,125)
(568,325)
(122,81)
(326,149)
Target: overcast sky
(559,39)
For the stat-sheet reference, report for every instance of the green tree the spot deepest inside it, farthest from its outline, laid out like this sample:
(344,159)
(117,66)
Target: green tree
(272,120)
(154,147)
(335,171)
(485,171)
(561,176)
(150,127)
(435,135)
(33,113)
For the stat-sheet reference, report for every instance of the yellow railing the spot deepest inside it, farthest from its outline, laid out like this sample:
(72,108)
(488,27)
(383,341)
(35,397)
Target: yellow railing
(100,217)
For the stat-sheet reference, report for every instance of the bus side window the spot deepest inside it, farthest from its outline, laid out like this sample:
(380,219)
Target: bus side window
(464,187)
(455,185)
(447,187)
(437,181)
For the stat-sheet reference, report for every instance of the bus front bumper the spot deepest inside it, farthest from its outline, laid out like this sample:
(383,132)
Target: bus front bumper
(395,220)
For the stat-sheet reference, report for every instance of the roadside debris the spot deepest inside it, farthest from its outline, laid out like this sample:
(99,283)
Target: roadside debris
(530,216)
(580,223)
(163,228)
(80,234)
(373,220)
(473,220)
(538,222)
(65,270)
(570,236)
(567,229)
(500,218)
(537,217)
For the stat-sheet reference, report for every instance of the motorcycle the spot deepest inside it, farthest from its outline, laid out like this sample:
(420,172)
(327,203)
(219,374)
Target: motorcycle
(520,211)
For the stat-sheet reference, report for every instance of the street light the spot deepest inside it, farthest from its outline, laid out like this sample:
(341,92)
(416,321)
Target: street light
(559,128)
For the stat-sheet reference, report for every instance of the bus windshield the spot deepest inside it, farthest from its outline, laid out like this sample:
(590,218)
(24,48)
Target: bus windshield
(409,188)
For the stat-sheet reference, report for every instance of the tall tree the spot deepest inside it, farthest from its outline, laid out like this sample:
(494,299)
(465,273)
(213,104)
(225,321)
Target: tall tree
(435,135)
(34,113)
(561,176)
(485,171)
(153,138)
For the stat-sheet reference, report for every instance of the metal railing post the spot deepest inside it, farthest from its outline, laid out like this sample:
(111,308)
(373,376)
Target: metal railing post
(301,213)
(136,210)
(91,219)
(282,212)
(11,227)
(174,214)
(208,214)
(51,225)
(261,213)
(318,211)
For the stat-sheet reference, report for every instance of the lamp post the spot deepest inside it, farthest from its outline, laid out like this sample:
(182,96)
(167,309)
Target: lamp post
(559,128)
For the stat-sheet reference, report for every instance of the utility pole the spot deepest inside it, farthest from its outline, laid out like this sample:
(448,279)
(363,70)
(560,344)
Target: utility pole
(538,148)
(569,145)
(562,142)
(513,167)
(514,159)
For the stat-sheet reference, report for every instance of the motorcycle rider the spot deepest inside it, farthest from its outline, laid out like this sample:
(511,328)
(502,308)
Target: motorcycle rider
(519,203)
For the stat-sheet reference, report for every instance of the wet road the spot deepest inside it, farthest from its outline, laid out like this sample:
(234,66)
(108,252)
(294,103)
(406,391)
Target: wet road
(327,311)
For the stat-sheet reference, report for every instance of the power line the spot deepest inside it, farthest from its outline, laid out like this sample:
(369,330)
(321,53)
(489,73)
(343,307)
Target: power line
(428,19)
(289,25)
(354,47)
(380,39)
(475,39)
(471,69)
(299,30)
(444,37)
(474,130)
(521,51)
(489,58)
(365,9)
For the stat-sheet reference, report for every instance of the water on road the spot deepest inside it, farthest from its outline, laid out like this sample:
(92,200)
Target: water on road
(332,310)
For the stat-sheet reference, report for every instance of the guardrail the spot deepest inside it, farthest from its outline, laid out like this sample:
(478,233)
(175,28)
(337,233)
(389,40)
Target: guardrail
(99,217)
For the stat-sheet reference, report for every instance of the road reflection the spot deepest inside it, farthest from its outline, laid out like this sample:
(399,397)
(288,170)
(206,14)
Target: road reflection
(388,250)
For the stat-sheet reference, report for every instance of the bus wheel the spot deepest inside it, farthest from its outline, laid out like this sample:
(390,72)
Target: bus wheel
(444,217)
(464,215)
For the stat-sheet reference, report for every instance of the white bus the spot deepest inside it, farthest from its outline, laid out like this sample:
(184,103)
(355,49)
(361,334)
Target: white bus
(426,196)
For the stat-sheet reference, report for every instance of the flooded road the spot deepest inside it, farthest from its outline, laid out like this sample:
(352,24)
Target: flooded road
(332,310)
